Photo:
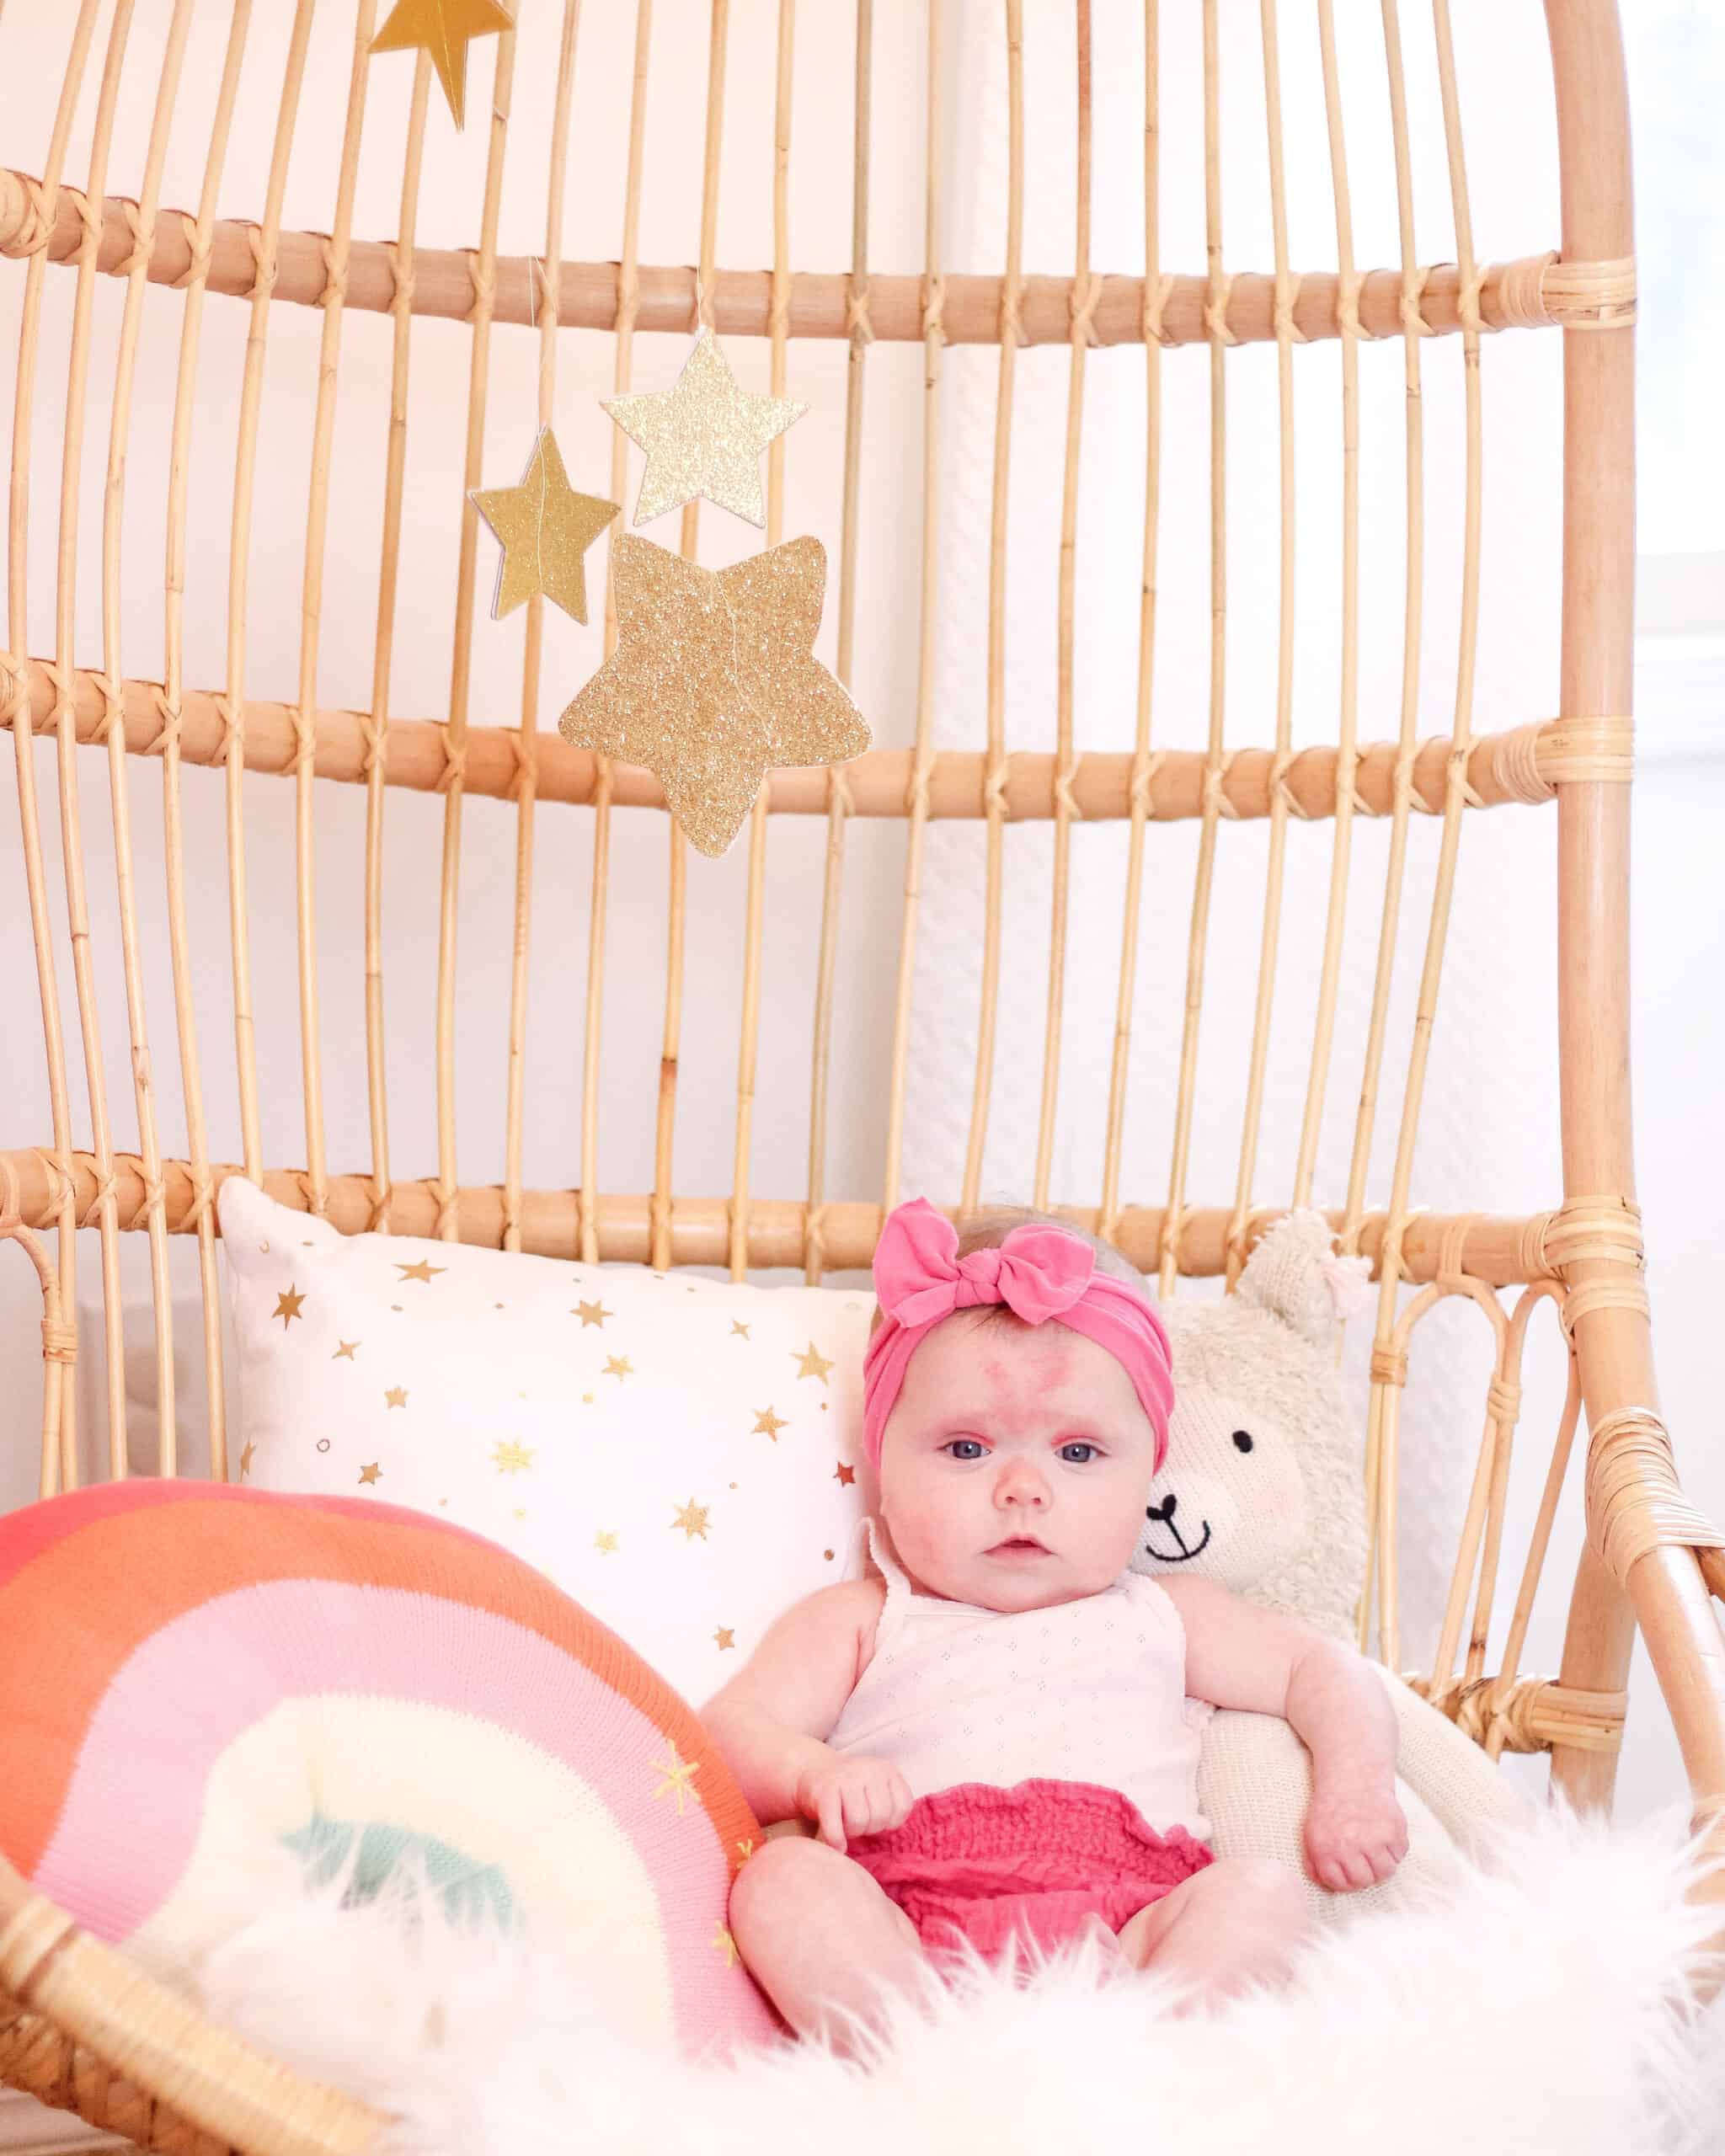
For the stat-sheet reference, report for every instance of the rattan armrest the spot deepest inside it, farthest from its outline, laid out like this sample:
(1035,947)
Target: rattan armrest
(86,2030)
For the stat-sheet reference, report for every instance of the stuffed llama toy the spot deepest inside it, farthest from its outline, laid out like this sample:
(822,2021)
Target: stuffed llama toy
(1264,1491)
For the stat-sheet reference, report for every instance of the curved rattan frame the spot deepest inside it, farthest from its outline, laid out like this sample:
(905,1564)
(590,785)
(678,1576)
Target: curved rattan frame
(88,2030)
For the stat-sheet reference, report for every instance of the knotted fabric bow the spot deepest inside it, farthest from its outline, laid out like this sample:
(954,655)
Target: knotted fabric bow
(1039,1272)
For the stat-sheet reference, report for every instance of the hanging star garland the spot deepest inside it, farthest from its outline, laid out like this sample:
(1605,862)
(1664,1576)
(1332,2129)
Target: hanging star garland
(443,27)
(546,527)
(713,681)
(704,436)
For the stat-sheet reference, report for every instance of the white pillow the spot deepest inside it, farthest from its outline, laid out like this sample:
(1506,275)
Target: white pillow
(683,1457)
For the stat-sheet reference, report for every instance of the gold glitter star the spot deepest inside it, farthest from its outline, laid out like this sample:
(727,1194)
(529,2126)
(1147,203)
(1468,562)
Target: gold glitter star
(592,1314)
(587,1398)
(344,1351)
(605,1541)
(546,527)
(397,1396)
(713,681)
(370,1474)
(245,1461)
(768,1425)
(812,1364)
(746,1850)
(738,1326)
(724,1637)
(726,1945)
(693,1520)
(443,27)
(511,1456)
(422,1271)
(618,1367)
(846,1475)
(678,1773)
(287,1308)
(704,436)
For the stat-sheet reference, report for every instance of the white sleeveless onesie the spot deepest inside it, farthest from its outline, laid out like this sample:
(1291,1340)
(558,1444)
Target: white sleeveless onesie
(1088,1691)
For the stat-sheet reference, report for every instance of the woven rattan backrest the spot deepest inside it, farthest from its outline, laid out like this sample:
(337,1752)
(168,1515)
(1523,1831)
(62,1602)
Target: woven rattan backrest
(102,270)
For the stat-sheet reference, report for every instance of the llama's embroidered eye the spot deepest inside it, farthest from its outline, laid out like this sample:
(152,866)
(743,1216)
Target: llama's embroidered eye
(1243,1438)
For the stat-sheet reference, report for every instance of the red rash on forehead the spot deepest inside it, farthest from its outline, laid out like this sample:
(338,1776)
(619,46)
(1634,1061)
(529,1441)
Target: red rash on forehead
(1049,1353)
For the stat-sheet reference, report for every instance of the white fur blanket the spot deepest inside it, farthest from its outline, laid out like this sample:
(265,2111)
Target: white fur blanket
(1541,2008)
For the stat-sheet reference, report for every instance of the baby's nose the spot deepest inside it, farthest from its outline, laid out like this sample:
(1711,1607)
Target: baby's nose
(1022,1481)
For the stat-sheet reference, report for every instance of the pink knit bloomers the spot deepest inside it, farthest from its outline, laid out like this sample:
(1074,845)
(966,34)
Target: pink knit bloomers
(993,1865)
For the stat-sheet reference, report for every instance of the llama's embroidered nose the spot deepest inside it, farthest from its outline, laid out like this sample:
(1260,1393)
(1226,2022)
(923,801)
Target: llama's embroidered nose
(1164,1514)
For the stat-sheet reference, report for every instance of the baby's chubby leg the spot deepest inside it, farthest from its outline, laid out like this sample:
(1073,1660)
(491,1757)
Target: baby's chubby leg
(816,1932)
(1238,1921)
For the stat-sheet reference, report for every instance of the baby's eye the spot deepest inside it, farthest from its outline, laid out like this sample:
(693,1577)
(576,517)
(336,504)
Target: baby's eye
(975,1452)
(1077,1444)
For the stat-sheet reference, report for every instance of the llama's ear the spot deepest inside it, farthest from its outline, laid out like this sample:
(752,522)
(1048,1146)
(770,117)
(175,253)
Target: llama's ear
(1296,1274)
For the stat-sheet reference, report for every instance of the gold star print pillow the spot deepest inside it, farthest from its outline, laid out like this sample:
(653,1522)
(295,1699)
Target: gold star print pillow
(683,1456)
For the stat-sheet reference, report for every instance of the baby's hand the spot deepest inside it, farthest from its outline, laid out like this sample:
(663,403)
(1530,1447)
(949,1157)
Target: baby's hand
(1355,1835)
(850,1794)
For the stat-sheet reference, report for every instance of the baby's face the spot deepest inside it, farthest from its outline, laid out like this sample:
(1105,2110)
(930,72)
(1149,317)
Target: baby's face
(1005,1430)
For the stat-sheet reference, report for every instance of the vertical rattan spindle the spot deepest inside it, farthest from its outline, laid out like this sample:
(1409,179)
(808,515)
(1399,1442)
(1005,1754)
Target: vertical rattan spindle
(922,757)
(65,674)
(375,721)
(779,320)
(194,281)
(1144,765)
(627,294)
(659,1254)
(1216,802)
(119,789)
(542,303)
(483,270)
(838,789)
(1010,332)
(1086,291)
(1281,798)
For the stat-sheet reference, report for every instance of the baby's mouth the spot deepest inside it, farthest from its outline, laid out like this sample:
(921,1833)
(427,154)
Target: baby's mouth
(1020,1545)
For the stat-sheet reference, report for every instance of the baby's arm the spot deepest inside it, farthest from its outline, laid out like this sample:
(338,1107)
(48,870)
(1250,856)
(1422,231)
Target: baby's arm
(771,1719)
(1238,1655)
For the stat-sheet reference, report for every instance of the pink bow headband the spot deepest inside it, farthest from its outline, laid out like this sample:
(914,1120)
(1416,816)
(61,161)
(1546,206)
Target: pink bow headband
(1038,1271)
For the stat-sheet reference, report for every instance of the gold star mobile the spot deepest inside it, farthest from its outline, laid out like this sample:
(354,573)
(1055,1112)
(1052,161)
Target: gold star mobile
(713,681)
(443,27)
(704,437)
(546,527)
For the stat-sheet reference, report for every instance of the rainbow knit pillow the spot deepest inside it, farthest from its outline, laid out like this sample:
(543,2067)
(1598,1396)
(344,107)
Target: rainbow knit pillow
(196,1679)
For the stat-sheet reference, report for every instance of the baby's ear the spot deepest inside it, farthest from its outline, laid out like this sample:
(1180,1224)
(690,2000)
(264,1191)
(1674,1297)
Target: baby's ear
(1296,1274)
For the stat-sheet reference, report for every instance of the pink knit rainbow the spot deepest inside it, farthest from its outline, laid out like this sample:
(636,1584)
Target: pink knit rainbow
(195,1675)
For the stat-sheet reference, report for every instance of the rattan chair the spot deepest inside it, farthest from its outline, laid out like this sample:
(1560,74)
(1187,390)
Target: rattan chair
(85,2031)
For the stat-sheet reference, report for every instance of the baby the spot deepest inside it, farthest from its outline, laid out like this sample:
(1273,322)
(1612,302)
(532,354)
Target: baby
(997,1740)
